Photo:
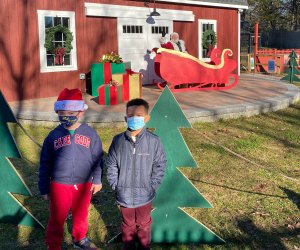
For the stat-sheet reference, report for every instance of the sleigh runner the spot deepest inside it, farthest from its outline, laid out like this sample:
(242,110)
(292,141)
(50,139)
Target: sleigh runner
(179,69)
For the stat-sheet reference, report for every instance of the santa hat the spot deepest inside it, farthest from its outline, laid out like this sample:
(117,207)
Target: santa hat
(70,99)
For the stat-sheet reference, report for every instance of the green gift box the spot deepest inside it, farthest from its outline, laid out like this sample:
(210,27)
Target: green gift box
(101,74)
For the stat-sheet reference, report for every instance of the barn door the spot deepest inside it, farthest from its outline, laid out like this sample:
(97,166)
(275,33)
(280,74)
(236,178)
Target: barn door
(135,38)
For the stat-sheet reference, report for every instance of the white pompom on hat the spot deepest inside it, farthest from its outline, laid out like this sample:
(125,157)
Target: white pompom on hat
(70,99)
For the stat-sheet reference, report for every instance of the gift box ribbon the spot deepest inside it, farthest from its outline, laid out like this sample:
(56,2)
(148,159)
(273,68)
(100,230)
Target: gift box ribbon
(107,73)
(110,94)
(130,72)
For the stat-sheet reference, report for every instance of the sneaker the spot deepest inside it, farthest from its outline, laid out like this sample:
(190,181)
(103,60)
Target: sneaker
(84,244)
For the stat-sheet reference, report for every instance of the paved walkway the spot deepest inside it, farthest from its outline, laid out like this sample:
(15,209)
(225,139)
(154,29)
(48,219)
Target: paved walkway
(254,94)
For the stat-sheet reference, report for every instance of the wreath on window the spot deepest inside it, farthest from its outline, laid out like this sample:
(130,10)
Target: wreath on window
(50,33)
(209,38)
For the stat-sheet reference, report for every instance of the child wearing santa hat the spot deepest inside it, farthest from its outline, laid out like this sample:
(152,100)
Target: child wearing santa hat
(70,171)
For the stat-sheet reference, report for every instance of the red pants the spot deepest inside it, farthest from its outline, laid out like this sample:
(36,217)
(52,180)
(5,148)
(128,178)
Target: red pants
(63,198)
(136,222)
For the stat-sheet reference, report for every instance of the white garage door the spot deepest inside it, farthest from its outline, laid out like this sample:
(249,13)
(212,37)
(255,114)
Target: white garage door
(135,37)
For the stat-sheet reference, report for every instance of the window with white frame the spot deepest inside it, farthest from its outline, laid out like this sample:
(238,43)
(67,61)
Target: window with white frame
(204,25)
(57,60)
(132,29)
(159,29)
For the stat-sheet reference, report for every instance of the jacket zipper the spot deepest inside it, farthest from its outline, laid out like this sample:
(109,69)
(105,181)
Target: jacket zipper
(132,173)
(73,151)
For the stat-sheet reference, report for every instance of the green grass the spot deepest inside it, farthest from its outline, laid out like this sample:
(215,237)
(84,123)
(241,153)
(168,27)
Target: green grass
(254,206)
(297,84)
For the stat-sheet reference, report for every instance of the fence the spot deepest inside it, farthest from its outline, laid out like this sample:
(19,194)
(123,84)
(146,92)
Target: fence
(280,57)
(282,39)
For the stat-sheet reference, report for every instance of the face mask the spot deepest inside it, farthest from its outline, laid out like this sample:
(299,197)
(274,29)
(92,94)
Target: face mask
(135,122)
(67,121)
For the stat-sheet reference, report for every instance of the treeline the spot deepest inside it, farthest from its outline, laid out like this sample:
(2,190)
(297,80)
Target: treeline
(273,15)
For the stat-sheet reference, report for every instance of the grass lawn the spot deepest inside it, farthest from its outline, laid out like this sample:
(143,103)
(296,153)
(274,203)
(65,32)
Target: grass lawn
(256,203)
(297,84)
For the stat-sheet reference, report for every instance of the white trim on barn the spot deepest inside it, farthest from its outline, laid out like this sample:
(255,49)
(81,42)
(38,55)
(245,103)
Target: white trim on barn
(193,2)
(120,11)
(239,41)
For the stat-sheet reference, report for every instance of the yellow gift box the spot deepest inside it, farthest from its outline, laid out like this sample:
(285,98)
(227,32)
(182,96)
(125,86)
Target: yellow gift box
(132,84)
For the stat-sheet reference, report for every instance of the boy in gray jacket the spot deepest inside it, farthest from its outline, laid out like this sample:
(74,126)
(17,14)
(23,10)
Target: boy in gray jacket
(136,165)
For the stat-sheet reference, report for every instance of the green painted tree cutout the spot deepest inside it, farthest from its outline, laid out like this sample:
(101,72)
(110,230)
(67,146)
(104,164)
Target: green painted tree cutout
(170,223)
(292,70)
(11,210)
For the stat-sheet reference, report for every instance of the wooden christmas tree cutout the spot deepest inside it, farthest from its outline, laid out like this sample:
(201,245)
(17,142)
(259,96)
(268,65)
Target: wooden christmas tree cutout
(292,70)
(11,210)
(170,223)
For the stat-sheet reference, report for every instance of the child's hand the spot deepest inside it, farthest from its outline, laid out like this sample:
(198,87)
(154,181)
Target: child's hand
(45,197)
(96,188)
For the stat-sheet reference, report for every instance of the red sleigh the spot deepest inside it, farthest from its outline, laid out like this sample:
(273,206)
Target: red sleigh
(183,72)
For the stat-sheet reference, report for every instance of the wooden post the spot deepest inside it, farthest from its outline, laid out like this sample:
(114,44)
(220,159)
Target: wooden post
(255,45)
(249,64)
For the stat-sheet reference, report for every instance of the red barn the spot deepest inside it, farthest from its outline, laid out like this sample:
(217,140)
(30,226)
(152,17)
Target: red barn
(29,70)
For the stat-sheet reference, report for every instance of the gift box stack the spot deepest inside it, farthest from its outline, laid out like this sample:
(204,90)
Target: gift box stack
(101,74)
(117,86)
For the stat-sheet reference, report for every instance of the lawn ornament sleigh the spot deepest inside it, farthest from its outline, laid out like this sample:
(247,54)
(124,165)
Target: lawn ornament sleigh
(183,72)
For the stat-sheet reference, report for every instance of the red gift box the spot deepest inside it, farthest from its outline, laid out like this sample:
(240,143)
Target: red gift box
(110,94)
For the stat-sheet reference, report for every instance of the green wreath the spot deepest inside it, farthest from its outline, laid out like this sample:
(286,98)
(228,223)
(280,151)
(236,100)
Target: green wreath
(209,35)
(50,33)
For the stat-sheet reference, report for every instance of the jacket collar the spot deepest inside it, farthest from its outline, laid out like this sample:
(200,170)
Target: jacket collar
(61,127)
(138,137)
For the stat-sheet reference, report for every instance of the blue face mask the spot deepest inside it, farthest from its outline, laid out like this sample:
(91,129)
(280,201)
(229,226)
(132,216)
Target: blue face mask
(67,121)
(135,122)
